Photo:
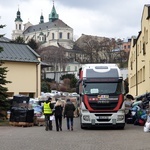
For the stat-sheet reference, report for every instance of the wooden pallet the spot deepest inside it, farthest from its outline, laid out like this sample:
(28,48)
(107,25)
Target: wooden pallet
(41,123)
(21,124)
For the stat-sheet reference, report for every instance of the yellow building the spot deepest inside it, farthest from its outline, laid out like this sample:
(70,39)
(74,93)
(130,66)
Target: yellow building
(139,58)
(24,69)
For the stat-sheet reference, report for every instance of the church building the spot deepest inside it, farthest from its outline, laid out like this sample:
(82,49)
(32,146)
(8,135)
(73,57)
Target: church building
(54,32)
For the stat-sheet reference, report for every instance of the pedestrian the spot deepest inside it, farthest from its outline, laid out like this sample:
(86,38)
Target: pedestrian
(47,110)
(128,105)
(69,113)
(58,115)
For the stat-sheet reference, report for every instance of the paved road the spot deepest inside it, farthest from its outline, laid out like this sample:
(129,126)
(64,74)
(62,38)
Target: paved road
(36,138)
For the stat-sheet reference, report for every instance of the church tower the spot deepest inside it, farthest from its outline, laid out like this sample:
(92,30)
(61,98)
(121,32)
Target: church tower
(18,26)
(53,15)
(41,18)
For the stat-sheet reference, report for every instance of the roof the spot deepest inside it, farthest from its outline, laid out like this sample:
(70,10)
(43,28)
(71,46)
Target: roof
(44,26)
(4,39)
(45,65)
(53,15)
(18,52)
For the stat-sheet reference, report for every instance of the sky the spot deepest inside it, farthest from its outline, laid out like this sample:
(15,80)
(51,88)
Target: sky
(104,18)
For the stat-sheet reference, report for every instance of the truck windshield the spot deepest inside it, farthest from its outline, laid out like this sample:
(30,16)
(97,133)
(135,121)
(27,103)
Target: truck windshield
(103,88)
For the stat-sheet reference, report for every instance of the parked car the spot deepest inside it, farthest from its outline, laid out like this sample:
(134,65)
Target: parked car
(74,94)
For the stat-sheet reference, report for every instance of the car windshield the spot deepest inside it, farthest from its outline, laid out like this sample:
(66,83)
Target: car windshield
(102,88)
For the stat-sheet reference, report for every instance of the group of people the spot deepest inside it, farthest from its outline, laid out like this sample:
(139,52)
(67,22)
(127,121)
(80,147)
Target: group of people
(59,111)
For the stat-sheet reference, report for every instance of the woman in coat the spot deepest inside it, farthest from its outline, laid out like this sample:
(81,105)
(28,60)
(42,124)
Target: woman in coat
(58,115)
(69,113)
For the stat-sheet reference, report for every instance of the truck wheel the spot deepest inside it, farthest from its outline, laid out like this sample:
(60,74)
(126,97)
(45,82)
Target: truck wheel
(82,127)
(121,127)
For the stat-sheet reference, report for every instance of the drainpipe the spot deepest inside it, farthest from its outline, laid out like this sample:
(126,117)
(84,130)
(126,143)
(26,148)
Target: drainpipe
(37,81)
(136,71)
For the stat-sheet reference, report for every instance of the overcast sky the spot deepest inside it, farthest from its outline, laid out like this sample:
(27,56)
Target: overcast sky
(108,18)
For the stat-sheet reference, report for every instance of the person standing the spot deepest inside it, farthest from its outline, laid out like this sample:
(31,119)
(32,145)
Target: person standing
(69,113)
(128,105)
(47,110)
(58,115)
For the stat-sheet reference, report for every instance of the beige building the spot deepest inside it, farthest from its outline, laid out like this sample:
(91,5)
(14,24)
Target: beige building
(24,69)
(139,59)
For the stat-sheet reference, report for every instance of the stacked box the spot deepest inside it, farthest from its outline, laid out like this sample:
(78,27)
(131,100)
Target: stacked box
(21,115)
(20,111)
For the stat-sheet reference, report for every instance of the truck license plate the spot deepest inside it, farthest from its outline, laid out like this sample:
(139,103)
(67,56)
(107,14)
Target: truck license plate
(103,117)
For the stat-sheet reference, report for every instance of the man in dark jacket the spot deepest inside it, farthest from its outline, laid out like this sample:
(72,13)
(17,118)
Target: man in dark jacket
(69,113)
(47,110)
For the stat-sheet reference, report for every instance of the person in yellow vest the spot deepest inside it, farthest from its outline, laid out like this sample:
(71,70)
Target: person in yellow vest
(47,110)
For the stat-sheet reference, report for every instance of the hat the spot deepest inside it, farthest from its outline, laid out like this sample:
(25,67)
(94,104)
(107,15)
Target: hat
(68,100)
(129,96)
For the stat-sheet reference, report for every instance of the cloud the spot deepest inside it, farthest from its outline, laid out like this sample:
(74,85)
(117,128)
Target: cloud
(115,18)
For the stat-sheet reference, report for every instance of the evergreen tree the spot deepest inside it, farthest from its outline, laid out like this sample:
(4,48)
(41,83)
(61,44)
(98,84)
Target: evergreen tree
(32,43)
(4,103)
(72,79)
(18,40)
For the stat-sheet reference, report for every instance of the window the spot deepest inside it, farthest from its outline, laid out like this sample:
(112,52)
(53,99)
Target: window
(103,88)
(47,34)
(68,68)
(19,26)
(31,95)
(75,68)
(56,68)
(131,65)
(52,68)
(144,73)
(60,35)
(144,49)
(53,14)
(47,68)
(68,35)
(53,37)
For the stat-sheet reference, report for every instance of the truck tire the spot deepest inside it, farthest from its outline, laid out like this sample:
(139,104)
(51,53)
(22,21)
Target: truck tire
(121,127)
(81,125)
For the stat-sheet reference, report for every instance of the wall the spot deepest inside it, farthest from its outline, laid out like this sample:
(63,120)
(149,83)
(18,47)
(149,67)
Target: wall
(25,78)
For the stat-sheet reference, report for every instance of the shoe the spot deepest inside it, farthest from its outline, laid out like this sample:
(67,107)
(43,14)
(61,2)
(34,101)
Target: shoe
(60,129)
(46,128)
(71,128)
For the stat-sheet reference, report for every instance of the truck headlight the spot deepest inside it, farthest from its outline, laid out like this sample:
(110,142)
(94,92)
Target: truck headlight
(86,117)
(120,117)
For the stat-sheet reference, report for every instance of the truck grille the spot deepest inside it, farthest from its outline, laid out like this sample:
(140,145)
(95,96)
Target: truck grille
(103,106)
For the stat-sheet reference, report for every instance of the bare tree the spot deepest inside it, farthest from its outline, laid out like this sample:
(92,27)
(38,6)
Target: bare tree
(101,49)
(98,49)
(54,56)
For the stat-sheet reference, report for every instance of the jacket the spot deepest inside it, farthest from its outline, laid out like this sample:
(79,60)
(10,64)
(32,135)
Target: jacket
(46,108)
(58,110)
(69,109)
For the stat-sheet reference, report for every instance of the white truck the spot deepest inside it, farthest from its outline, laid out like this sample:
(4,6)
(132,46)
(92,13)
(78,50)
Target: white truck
(101,90)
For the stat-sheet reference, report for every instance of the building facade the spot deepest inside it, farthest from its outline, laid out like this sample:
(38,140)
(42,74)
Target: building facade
(24,69)
(71,68)
(139,60)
